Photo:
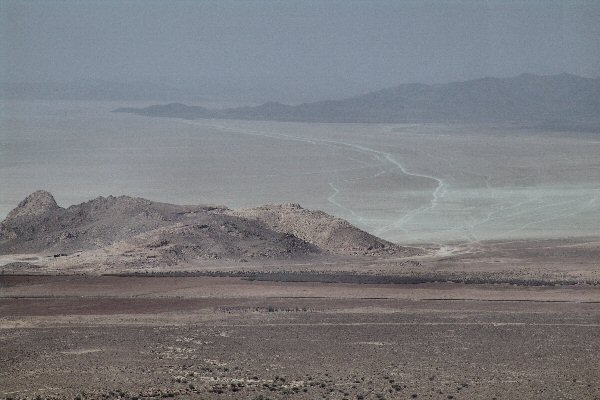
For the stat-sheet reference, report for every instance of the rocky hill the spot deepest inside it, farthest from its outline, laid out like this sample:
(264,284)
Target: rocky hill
(135,228)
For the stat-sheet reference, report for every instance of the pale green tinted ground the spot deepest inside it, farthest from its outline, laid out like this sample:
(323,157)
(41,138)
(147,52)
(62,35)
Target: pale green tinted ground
(407,183)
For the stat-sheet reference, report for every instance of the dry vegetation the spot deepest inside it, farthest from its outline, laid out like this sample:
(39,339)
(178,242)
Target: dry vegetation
(209,337)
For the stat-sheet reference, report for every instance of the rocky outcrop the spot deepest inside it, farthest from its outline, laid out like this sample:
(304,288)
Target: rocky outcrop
(37,203)
(328,233)
(136,227)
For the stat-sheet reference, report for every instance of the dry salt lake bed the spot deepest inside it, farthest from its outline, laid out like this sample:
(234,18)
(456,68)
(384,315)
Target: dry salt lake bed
(421,183)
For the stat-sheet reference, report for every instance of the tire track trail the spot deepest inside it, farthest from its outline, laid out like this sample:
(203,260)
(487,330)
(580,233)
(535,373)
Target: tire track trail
(438,192)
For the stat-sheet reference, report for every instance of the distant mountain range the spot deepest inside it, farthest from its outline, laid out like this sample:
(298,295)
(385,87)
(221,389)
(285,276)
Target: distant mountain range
(557,100)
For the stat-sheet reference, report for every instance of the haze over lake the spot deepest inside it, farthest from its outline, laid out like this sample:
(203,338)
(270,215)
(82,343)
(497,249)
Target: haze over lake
(414,183)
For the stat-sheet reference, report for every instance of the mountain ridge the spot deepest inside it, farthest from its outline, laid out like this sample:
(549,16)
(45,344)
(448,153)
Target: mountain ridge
(524,98)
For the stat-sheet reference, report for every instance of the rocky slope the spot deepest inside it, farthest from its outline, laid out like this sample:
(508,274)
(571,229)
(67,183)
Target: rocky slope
(134,228)
(324,231)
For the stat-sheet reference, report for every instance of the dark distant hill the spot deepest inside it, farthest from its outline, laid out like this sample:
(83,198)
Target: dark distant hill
(557,99)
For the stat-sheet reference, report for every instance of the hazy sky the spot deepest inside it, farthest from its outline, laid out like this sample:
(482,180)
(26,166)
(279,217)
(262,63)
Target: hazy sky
(372,44)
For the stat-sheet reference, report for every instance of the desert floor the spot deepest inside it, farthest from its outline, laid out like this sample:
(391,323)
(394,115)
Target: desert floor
(518,326)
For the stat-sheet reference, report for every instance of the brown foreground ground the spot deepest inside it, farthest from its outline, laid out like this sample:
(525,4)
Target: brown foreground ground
(503,320)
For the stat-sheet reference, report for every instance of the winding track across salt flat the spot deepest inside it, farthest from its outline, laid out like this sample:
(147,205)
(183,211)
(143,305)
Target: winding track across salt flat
(514,218)
(381,156)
